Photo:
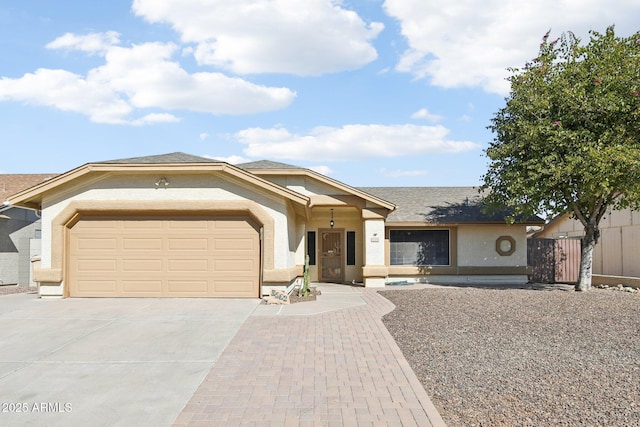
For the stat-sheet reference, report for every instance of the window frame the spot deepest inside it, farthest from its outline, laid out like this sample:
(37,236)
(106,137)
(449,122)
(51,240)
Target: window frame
(350,256)
(421,229)
(312,249)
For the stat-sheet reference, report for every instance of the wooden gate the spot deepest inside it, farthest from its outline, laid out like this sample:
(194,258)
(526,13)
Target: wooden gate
(554,260)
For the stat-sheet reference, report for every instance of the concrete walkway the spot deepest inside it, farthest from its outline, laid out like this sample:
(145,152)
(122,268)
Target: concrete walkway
(325,363)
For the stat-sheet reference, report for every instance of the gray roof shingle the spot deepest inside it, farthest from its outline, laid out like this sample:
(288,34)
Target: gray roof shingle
(439,205)
(177,157)
(267,164)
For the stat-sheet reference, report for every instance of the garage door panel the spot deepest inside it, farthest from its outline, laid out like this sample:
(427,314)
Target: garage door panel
(142,286)
(141,265)
(192,244)
(148,244)
(238,266)
(241,287)
(96,265)
(95,244)
(196,287)
(141,225)
(188,225)
(237,244)
(231,224)
(188,265)
(96,226)
(164,257)
(98,286)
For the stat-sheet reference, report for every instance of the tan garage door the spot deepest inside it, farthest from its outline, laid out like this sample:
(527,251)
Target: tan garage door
(147,257)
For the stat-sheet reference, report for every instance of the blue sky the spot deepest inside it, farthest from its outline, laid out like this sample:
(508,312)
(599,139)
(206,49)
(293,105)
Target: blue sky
(369,92)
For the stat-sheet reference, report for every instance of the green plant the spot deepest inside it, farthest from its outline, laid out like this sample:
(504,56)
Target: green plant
(568,139)
(304,290)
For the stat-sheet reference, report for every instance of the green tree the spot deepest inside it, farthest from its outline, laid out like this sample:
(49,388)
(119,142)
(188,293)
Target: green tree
(568,139)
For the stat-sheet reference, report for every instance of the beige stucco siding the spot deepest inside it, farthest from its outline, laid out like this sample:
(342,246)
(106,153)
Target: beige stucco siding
(181,188)
(477,246)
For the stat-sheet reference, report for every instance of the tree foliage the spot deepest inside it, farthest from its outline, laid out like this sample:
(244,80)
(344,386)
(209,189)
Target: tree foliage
(568,139)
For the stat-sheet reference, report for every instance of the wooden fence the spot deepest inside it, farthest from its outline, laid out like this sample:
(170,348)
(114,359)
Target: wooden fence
(554,260)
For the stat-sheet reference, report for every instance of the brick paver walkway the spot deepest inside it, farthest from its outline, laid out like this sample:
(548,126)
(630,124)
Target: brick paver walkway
(340,368)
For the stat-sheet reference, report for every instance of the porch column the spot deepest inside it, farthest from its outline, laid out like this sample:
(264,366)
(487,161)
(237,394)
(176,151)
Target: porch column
(374,271)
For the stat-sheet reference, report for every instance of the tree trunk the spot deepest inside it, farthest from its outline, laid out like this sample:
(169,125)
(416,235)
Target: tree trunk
(586,259)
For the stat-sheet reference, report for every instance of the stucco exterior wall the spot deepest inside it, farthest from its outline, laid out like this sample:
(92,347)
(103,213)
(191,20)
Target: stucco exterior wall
(181,187)
(477,246)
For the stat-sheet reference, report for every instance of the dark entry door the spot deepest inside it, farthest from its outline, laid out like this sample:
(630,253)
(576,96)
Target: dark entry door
(331,255)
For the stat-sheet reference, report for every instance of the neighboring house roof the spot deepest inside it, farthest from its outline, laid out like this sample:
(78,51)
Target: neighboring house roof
(439,205)
(556,219)
(11,184)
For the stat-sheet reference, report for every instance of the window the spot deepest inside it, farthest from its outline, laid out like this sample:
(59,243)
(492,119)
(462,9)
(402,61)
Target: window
(351,248)
(419,247)
(311,247)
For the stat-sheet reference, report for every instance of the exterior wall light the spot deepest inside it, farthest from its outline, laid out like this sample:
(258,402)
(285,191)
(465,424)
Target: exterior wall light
(331,223)
(162,182)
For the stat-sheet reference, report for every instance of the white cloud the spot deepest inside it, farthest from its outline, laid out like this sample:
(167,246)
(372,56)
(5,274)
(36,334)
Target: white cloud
(91,43)
(463,43)
(321,169)
(401,172)
(156,118)
(203,136)
(423,113)
(350,142)
(234,160)
(308,37)
(138,77)
(67,92)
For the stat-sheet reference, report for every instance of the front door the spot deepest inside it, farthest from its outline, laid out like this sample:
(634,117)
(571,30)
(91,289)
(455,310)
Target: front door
(331,255)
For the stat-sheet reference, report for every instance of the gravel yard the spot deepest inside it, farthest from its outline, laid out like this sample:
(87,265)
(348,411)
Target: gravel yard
(516,357)
(13,289)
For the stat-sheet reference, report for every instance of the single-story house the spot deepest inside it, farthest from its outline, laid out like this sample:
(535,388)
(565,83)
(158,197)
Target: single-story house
(19,231)
(616,257)
(187,226)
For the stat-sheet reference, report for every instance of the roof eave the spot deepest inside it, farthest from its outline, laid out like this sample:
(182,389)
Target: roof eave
(31,198)
(327,180)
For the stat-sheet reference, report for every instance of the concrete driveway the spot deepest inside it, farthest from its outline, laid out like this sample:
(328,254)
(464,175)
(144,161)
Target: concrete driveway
(108,362)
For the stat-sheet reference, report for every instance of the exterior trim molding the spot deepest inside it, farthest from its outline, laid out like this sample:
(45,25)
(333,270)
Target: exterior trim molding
(282,275)
(32,197)
(512,245)
(375,271)
(459,271)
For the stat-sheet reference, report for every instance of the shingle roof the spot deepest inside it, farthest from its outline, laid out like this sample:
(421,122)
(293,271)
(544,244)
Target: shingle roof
(11,184)
(267,164)
(437,205)
(177,157)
